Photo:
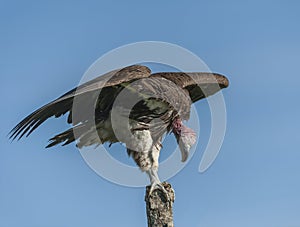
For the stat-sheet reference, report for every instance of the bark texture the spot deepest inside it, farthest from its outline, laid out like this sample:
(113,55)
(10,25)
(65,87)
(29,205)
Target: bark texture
(159,210)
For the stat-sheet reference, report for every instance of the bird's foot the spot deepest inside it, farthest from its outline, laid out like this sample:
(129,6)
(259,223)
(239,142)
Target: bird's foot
(160,187)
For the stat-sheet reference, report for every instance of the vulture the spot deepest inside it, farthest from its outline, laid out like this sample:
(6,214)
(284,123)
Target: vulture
(132,106)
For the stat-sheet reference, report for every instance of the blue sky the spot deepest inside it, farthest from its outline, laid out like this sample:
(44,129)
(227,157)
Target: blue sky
(47,46)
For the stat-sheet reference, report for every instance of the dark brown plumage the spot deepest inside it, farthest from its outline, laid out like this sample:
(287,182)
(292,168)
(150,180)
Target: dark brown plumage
(164,100)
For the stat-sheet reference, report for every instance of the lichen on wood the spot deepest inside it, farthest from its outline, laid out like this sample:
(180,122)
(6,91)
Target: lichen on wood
(159,209)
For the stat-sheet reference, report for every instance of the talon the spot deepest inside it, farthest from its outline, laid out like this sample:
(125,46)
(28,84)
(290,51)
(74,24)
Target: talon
(160,187)
(156,184)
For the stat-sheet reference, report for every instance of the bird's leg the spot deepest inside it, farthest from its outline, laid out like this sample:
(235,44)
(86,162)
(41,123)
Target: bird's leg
(152,172)
(156,183)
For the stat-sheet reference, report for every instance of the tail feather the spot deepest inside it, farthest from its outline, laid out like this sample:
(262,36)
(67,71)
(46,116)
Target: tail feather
(65,137)
(85,134)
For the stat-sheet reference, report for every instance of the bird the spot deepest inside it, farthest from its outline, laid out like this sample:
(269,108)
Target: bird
(130,105)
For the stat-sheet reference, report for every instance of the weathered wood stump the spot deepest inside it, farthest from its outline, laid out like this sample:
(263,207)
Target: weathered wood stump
(159,210)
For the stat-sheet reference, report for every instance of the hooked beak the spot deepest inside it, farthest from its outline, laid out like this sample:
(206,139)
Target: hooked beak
(185,141)
(184,146)
(184,155)
(185,137)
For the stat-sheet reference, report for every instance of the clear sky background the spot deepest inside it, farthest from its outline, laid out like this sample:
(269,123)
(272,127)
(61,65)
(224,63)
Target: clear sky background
(46,46)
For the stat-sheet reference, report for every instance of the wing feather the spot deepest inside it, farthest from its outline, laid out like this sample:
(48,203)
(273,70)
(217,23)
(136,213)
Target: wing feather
(198,84)
(176,89)
(63,104)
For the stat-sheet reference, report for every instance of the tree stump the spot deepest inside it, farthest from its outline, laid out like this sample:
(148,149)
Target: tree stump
(159,210)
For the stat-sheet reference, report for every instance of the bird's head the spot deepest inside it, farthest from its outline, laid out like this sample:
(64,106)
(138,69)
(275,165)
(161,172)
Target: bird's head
(185,137)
